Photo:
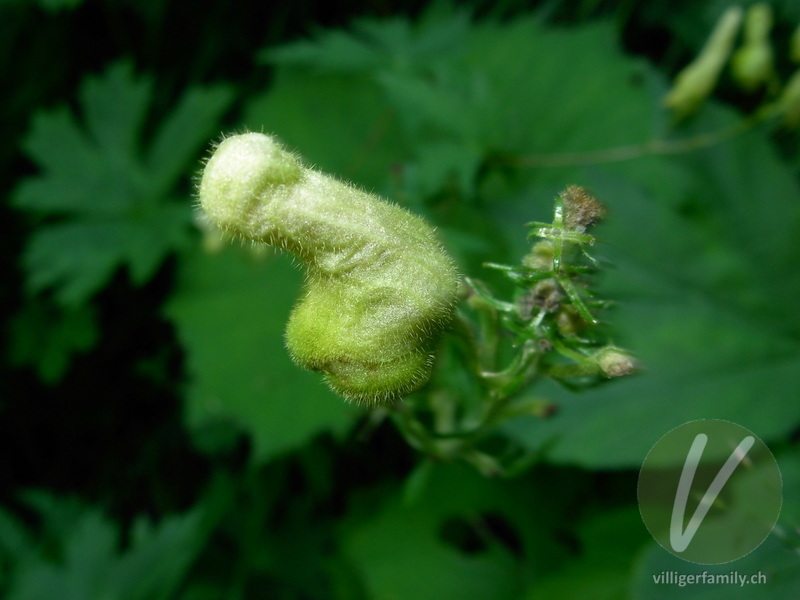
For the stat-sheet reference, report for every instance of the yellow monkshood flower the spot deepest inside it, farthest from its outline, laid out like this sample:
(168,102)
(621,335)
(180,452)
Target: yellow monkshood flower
(379,286)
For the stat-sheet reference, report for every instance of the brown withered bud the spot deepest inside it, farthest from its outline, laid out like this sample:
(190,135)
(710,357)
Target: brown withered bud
(581,209)
(547,295)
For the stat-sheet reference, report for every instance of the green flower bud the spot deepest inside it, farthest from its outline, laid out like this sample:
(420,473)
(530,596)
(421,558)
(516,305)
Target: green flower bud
(695,83)
(752,64)
(379,286)
(614,362)
(540,257)
(789,101)
(794,46)
(569,321)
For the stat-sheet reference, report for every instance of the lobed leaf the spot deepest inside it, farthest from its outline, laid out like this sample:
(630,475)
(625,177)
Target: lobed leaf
(107,194)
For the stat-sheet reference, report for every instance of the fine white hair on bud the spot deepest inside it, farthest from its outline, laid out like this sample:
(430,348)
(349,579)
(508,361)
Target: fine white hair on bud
(379,286)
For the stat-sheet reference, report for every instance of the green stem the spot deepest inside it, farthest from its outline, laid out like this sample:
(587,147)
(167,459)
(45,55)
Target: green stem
(651,148)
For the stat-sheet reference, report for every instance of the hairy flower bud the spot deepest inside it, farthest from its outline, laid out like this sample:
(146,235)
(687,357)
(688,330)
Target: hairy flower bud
(379,287)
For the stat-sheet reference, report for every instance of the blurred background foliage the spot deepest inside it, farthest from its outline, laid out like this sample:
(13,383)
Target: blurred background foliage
(157,442)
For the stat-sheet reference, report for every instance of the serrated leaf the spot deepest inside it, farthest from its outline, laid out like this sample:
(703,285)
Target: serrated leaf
(230,311)
(88,560)
(426,105)
(63,190)
(177,140)
(110,192)
(352,135)
(159,556)
(335,50)
(114,109)
(371,45)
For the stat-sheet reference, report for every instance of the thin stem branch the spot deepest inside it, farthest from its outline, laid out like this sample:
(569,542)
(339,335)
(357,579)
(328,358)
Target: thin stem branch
(651,148)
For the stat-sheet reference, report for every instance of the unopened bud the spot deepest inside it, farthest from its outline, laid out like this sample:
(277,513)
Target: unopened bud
(581,209)
(789,102)
(614,362)
(379,287)
(568,321)
(547,295)
(794,46)
(695,83)
(540,257)
(752,64)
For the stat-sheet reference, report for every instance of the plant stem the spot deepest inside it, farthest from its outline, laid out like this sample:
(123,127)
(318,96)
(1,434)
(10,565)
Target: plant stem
(632,151)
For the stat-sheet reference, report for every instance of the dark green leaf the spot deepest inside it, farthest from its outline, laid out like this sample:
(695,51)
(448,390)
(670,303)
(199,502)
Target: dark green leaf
(46,337)
(114,205)
(230,311)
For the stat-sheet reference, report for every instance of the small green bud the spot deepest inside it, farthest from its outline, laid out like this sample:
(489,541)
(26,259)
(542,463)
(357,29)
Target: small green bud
(614,362)
(695,83)
(789,101)
(540,257)
(569,321)
(379,286)
(752,64)
(524,304)
(794,46)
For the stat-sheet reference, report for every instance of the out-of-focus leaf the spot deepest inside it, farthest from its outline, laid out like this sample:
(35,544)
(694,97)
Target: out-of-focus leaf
(461,536)
(230,311)
(778,563)
(609,543)
(159,556)
(15,540)
(46,337)
(352,135)
(372,45)
(106,193)
(777,559)
(54,6)
(704,252)
(83,559)
(375,78)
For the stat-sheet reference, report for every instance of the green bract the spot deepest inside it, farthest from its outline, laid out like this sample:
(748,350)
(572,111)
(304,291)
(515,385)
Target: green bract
(379,286)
